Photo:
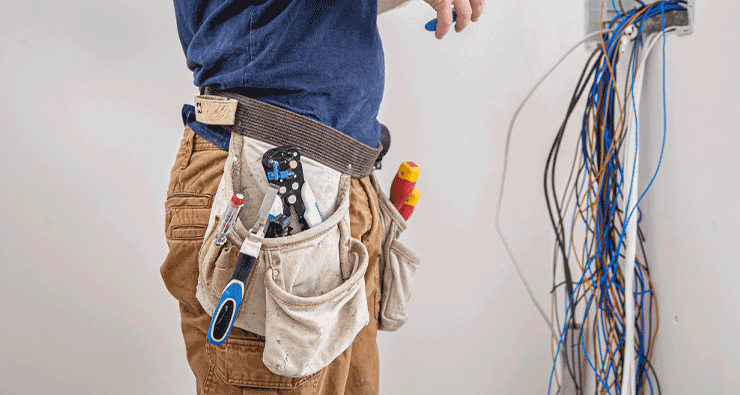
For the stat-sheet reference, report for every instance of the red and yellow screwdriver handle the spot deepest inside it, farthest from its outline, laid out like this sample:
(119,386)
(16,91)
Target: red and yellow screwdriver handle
(403,194)
(408,207)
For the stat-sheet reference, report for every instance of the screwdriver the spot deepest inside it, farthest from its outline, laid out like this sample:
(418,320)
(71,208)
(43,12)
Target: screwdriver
(432,25)
(403,194)
(227,222)
(408,207)
(233,294)
(403,183)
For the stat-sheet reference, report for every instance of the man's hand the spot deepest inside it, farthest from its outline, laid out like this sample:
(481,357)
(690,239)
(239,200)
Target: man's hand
(467,10)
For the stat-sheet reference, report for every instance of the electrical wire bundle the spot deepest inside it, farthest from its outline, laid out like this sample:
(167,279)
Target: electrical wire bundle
(596,339)
(593,205)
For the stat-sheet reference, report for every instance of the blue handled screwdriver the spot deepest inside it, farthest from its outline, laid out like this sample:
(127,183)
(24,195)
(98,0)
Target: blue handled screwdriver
(233,294)
(432,25)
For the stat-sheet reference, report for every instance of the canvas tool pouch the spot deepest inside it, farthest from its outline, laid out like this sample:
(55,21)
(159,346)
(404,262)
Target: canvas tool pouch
(397,266)
(306,293)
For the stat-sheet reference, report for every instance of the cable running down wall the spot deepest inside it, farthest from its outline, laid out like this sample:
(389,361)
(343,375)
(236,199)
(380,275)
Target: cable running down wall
(603,317)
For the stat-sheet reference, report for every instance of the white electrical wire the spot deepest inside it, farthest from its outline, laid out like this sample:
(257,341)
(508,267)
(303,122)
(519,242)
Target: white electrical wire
(631,160)
(630,194)
(506,165)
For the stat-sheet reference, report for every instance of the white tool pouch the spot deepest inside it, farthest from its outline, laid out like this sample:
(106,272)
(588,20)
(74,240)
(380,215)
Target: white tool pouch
(397,266)
(306,293)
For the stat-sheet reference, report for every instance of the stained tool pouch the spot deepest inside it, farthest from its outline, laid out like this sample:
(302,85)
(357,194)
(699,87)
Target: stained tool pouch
(306,293)
(397,266)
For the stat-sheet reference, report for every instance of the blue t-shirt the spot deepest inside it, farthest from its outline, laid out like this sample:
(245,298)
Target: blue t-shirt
(321,59)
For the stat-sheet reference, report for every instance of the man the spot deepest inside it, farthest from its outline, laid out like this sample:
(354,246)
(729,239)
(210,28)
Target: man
(319,59)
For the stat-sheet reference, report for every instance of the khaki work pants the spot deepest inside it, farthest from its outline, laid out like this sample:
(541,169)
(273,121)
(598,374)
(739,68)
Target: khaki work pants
(236,366)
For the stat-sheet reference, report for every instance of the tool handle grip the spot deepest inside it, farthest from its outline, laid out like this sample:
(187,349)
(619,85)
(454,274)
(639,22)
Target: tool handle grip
(230,301)
(407,208)
(400,191)
(432,25)
(313,214)
(403,183)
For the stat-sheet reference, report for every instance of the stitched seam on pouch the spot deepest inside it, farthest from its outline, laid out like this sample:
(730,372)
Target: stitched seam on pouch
(390,290)
(296,243)
(309,305)
(408,255)
(306,241)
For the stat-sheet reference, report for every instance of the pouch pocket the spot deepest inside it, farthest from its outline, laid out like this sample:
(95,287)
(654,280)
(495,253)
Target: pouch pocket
(313,317)
(306,292)
(397,266)
(216,265)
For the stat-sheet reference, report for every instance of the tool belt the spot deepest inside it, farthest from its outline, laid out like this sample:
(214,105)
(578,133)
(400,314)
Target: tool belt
(278,126)
(306,291)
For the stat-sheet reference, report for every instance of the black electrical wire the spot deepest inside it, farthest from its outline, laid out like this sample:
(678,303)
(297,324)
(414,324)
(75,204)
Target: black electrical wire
(580,88)
(558,228)
(621,7)
(560,236)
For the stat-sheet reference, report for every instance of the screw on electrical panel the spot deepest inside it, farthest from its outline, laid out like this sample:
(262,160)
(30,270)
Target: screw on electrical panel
(631,32)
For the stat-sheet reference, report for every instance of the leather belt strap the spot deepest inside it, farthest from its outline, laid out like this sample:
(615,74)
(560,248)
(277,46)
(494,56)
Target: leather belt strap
(278,126)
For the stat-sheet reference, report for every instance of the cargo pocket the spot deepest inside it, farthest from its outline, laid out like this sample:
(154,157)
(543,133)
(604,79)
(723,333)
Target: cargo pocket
(306,292)
(238,362)
(186,216)
(397,266)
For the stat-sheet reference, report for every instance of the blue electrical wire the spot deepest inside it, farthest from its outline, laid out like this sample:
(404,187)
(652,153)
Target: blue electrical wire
(614,177)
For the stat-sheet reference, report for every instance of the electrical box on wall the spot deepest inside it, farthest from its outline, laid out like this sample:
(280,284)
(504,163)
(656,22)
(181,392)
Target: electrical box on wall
(682,20)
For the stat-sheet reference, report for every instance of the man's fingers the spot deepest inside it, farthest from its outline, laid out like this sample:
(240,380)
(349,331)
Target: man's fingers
(477,6)
(464,11)
(444,19)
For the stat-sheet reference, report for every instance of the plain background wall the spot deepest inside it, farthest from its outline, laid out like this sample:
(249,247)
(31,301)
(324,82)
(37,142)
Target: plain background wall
(91,97)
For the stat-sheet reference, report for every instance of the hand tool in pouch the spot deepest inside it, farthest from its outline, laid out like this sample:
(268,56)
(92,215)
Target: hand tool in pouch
(227,222)
(232,295)
(407,208)
(283,169)
(403,194)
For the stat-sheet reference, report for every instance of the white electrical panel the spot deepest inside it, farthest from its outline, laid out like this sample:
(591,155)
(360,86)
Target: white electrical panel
(682,20)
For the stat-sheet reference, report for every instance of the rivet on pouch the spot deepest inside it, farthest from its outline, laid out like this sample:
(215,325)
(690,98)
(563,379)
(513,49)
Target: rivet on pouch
(275,272)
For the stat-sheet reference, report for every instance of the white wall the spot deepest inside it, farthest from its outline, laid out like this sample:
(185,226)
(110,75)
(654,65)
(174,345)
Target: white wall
(91,99)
